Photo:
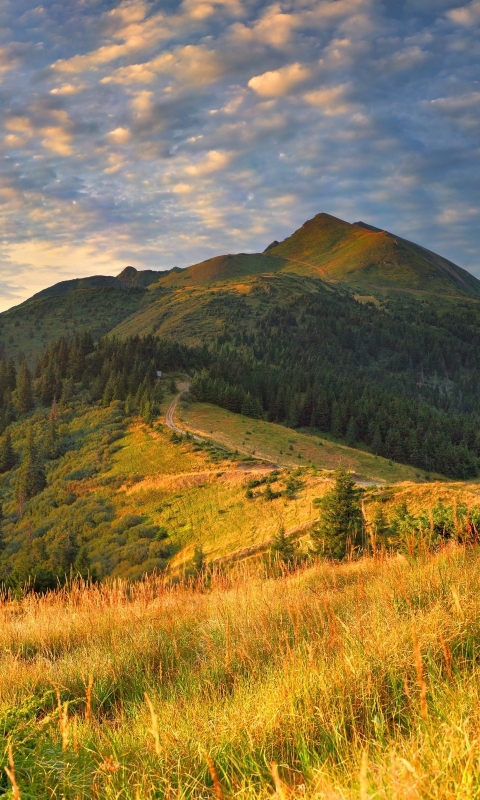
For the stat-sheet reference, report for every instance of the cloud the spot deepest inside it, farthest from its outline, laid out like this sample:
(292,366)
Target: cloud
(465,15)
(278,82)
(192,65)
(127,23)
(213,161)
(120,135)
(452,105)
(331,100)
(179,130)
(67,89)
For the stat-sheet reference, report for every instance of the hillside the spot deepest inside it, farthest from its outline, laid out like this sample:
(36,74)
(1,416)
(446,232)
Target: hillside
(325,251)
(351,681)
(357,255)
(366,257)
(96,304)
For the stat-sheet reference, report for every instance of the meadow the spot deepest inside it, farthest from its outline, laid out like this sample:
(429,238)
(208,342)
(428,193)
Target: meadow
(358,680)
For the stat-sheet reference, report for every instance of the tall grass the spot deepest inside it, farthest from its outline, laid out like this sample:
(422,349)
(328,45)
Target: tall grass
(360,680)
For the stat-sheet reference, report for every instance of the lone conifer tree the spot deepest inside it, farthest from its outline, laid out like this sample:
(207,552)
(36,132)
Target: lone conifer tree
(31,478)
(24,392)
(340,525)
(8,458)
(282,547)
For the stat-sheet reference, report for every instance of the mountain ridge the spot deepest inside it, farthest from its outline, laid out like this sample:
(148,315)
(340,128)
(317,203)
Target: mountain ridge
(324,252)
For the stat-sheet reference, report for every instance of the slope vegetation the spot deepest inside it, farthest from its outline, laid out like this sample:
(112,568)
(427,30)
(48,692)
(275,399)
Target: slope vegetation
(364,256)
(330,682)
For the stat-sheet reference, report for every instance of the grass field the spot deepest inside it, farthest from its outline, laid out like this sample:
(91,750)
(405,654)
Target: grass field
(335,682)
(286,446)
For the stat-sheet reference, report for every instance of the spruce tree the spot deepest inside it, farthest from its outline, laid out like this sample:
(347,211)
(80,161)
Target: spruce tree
(129,405)
(340,525)
(8,458)
(51,439)
(282,548)
(31,477)
(198,560)
(24,392)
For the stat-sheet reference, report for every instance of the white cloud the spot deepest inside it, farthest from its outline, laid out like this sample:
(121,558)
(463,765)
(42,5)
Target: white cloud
(275,28)
(457,103)
(120,135)
(68,89)
(332,100)
(202,9)
(192,65)
(465,15)
(279,82)
(214,161)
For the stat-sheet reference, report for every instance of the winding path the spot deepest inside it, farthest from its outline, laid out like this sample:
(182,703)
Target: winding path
(170,412)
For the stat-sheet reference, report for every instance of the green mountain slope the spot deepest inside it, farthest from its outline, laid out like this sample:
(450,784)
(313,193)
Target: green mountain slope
(182,303)
(367,257)
(359,255)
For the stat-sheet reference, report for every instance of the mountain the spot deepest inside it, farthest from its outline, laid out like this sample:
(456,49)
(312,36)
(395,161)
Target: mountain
(129,278)
(355,254)
(368,257)
(201,301)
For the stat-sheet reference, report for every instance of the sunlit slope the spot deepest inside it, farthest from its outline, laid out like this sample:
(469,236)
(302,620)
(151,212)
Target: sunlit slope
(200,497)
(224,268)
(288,447)
(364,256)
(195,313)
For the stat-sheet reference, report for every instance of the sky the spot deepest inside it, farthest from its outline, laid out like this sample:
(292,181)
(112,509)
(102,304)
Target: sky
(158,134)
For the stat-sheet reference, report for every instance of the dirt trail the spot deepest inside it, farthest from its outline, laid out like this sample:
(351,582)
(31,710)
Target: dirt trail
(170,422)
(183,386)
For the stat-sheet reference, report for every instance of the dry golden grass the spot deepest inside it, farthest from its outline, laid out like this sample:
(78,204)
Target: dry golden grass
(360,680)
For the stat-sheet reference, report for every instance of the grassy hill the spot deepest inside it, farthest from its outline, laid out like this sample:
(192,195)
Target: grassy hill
(138,501)
(363,256)
(331,249)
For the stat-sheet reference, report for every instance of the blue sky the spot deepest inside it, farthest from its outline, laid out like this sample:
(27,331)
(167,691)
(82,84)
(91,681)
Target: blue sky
(159,134)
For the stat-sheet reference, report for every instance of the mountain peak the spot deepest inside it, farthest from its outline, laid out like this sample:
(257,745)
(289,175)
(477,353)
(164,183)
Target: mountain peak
(128,275)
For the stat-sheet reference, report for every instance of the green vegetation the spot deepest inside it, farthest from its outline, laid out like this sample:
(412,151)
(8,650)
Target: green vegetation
(364,256)
(378,379)
(27,329)
(339,529)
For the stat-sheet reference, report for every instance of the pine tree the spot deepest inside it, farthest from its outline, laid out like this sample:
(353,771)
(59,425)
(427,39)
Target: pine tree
(24,392)
(11,375)
(351,434)
(8,458)
(2,539)
(108,392)
(81,564)
(47,386)
(31,477)
(51,439)
(198,560)
(129,405)
(340,525)
(282,548)
(377,444)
